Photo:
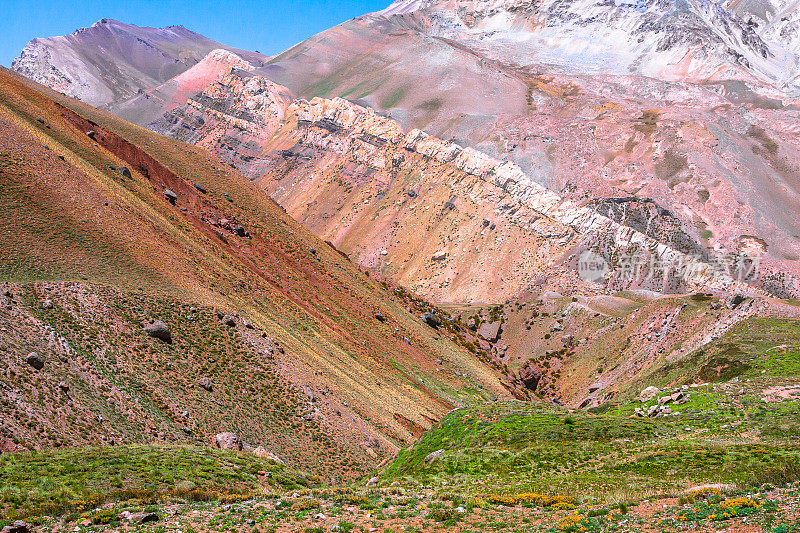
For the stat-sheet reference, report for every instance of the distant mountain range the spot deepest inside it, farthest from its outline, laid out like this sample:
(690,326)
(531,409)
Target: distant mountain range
(111,61)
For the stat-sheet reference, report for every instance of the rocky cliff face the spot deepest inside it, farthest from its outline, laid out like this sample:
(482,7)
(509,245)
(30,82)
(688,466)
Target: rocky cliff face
(444,219)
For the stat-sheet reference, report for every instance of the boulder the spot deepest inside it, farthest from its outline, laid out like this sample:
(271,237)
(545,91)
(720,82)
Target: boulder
(206,383)
(433,455)
(159,330)
(170,196)
(125,172)
(263,452)
(430,319)
(490,330)
(18,527)
(648,394)
(530,375)
(229,321)
(143,518)
(227,441)
(35,360)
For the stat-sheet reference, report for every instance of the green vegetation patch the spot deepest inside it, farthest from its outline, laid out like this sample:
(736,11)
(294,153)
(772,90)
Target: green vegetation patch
(79,479)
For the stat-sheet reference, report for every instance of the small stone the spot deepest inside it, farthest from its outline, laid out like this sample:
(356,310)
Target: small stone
(379,317)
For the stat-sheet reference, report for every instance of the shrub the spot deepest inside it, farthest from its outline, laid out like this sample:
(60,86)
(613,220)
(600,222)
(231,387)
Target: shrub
(570,523)
(704,493)
(305,504)
(104,516)
(447,515)
(738,503)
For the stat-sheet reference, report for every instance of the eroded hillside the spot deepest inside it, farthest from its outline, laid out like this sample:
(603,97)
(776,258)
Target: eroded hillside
(111,227)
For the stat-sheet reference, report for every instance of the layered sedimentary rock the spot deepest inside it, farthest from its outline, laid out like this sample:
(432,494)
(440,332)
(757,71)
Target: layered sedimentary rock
(338,167)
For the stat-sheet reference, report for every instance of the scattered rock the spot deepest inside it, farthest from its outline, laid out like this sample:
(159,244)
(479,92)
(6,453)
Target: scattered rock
(143,518)
(430,319)
(206,383)
(159,330)
(227,441)
(648,394)
(35,360)
(263,452)
(17,527)
(170,196)
(433,455)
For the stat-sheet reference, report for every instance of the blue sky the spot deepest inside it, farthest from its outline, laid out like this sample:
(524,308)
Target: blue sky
(268,26)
